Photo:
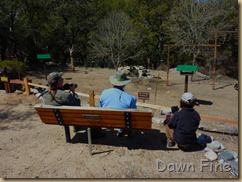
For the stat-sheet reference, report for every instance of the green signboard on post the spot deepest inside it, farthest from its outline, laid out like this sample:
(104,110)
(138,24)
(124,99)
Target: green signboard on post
(186,68)
(43,56)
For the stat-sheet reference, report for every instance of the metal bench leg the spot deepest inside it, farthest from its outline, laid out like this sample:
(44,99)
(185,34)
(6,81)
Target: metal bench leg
(89,140)
(68,135)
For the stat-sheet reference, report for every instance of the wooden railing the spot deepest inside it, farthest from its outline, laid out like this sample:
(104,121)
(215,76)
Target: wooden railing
(92,98)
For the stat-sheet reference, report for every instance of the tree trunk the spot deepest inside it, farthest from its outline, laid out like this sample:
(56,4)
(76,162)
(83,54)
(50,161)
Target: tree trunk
(194,57)
(72,59)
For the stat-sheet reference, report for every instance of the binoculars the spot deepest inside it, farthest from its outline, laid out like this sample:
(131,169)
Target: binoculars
(170,111)
(67,86)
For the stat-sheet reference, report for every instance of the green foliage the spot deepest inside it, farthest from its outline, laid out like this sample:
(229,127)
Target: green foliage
(14,68)
(28,28)
(13,64)
(193,23)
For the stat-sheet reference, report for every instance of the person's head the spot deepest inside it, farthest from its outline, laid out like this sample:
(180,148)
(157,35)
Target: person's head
(55,80)
(119,79)
(187,100)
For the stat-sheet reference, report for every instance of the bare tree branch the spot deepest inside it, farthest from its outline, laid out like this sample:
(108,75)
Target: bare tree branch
(116,39)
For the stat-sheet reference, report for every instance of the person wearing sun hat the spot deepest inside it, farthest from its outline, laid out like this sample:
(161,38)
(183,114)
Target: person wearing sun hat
(116,97)
(55,95)
(182,126)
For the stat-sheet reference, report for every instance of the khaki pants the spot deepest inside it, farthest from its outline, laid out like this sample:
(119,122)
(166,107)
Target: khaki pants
(169,133)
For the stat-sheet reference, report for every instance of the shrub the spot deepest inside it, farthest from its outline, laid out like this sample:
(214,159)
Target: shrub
(14,67)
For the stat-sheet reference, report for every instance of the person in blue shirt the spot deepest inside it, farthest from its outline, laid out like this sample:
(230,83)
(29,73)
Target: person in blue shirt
(116,97)
(182,126)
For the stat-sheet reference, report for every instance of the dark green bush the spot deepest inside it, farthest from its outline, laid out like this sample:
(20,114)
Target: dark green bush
(15,69)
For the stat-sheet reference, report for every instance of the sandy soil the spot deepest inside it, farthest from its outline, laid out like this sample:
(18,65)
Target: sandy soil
(31,149)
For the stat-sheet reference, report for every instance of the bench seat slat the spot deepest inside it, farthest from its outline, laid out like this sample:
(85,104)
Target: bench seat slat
(102,116)
(94,116)
(101,111)
(102,123)
(135,125)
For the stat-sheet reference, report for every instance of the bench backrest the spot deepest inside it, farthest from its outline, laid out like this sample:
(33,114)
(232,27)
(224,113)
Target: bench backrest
(95,117)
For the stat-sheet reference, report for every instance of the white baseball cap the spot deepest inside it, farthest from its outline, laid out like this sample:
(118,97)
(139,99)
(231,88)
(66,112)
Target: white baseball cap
(188,98)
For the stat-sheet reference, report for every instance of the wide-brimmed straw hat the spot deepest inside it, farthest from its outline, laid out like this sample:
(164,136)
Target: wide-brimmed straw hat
(119,79)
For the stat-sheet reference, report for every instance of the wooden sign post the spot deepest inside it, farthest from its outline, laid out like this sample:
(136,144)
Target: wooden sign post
(187,70)
(7,87)
(44,56)
(144,96)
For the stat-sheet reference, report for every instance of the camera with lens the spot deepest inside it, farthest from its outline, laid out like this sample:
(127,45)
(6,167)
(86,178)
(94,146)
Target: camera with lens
(170,111)
(67,86)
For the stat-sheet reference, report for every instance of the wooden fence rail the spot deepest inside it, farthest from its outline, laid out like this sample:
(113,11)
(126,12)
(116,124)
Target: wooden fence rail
(92,96)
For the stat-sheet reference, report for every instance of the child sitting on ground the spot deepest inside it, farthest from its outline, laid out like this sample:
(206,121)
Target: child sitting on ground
(182,126)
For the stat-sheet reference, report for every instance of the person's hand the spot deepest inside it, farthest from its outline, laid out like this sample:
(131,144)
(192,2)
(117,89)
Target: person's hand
(167,119)
(72,88)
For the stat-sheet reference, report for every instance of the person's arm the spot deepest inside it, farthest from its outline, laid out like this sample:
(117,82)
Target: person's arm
(73,100)
(173,121)
(133,103)
(69,99)
(198,119)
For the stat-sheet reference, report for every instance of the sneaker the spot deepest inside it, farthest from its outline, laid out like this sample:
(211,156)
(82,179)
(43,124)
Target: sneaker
(77,128)
(120,134)
(170,144)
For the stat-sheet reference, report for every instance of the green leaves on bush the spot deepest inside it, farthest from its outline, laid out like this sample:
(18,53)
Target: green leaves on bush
(13,64)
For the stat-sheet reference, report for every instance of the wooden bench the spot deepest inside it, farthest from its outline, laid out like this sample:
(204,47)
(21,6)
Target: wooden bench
(94,117)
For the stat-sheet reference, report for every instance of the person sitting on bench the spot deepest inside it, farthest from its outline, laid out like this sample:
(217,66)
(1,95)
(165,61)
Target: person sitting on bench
(116,97)
(57,96)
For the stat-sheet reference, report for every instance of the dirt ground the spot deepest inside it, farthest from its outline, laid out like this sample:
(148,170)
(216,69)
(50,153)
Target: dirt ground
(31,149)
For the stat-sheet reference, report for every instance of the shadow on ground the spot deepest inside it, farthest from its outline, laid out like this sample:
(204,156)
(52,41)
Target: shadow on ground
(150,140)
(204,102)
(221,87)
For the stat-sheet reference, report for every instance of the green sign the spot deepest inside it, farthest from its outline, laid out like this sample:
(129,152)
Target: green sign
(43,56)
(186,68)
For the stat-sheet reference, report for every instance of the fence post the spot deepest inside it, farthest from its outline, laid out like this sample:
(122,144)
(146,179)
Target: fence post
(7,86)
(27,89)
(91,98)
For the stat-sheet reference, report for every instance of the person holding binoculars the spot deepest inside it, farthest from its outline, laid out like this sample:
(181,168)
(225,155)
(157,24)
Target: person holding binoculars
(56,94)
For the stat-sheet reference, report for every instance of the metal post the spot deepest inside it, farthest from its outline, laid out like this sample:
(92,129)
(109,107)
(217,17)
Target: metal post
(68,135)
(89,140)
(89,137)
